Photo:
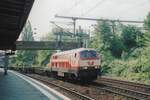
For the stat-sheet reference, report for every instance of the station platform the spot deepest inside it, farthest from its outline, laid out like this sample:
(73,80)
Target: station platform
(15,86)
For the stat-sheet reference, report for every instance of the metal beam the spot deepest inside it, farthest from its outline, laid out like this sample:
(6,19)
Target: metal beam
(94,19)
(45,45)
(67,23)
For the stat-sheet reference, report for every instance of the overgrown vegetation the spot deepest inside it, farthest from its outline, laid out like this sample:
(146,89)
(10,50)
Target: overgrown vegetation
(125,51)
(25,58)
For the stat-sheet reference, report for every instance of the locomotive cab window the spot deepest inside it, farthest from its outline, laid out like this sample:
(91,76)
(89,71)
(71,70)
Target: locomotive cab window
(88,54)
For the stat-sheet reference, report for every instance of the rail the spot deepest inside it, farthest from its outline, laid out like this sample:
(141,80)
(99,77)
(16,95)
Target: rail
(129,89)
(79,95)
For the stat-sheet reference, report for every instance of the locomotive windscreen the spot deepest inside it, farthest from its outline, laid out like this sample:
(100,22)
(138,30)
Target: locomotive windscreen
(88,54)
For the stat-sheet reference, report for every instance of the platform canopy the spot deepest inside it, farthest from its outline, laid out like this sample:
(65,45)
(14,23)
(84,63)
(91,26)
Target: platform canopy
(13,15)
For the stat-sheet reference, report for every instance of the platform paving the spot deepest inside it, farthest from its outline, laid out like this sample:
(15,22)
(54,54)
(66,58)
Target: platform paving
(12,87)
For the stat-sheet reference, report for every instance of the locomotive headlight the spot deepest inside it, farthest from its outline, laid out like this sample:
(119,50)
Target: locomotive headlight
(96,67)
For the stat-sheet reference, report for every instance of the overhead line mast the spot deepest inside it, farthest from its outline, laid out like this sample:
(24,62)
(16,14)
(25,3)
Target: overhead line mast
(94,19)
(53,22)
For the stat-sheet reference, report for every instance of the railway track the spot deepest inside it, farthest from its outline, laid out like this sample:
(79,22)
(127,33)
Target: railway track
(129,89)
(74,93)
(114,89)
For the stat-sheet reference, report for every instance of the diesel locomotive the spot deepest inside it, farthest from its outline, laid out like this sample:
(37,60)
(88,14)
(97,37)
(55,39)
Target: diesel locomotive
(78,64)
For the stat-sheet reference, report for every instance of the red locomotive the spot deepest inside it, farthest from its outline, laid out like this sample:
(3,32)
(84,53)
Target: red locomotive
(80,64)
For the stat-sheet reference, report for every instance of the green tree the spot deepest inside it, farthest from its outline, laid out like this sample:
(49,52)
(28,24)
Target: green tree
(43,56)
(129,42)
(105,31)
(96,41)
(27,34)
(110,37)
(147,22)
(117,47)
(26,57)
(131,36)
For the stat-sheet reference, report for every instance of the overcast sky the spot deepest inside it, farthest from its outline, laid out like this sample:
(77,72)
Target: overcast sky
(43,11)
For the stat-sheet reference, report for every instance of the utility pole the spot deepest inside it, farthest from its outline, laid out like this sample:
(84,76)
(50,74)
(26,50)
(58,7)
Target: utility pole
(74,23)
(113,27)
(74,26)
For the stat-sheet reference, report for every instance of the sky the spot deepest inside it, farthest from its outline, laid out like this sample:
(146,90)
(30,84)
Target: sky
(44,11)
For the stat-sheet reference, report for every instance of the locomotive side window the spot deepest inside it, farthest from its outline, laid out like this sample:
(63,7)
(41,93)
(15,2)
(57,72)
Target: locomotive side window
(55,57)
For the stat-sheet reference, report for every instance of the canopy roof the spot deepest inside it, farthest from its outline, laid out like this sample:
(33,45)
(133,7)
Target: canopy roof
(13,15)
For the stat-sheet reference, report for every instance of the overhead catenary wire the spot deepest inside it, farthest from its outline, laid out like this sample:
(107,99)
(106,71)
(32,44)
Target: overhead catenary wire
(132,8)
(71,8)
(126,10)
(94,7)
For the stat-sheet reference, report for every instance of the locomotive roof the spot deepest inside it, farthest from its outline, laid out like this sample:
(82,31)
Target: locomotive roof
(73,50)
